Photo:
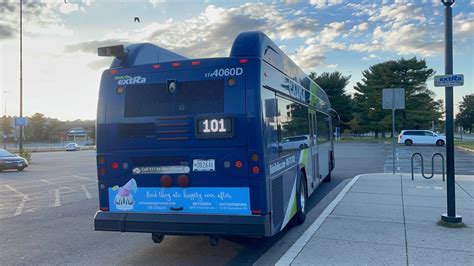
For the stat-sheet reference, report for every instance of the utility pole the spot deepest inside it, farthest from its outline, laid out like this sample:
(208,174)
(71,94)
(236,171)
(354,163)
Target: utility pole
(5,121)
(451,216)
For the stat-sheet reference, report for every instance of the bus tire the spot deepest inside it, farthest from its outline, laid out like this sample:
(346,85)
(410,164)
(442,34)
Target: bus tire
(301,200)
(157,238)
(327,179)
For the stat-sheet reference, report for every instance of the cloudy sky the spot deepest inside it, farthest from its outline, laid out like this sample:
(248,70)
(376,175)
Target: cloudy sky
(61,69)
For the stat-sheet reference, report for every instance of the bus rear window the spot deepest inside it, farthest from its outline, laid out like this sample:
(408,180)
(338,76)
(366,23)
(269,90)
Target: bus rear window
(190,97)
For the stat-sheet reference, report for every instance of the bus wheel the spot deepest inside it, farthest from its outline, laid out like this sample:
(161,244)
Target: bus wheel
(157,238)
(213,241)
(328,178)
(301,200)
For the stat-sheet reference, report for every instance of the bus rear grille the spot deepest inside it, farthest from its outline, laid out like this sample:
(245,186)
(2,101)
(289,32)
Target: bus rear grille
(136,130)
(174,128)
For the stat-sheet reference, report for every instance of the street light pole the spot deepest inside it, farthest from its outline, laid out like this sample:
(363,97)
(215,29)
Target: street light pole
(5,121)
(21,74)
(451,216)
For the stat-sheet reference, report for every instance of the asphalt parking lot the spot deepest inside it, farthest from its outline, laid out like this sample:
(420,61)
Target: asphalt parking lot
(52,180)
(46,213)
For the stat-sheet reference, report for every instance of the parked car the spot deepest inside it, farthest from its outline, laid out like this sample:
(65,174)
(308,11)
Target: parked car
(11,161)
(295,142)
(410,137)
(72,147)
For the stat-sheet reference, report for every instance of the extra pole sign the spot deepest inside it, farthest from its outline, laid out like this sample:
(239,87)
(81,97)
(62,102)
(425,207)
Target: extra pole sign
(449,80)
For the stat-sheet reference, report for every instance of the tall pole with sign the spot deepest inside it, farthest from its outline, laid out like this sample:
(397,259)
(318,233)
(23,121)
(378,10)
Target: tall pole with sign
(393,99)
(451,216)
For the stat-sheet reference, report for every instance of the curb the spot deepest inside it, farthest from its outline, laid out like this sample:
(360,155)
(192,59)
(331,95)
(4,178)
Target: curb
(465,149)
(296,248)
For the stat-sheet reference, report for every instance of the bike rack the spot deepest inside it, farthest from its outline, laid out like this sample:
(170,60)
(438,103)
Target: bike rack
(422,166)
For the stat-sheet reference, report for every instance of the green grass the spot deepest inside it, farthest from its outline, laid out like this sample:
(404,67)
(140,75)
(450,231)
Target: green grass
(465,144)
(366,140)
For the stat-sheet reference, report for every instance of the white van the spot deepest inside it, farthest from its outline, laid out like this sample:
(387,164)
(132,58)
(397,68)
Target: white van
(410,137)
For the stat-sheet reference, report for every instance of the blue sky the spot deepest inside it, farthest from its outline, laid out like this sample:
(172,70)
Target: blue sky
(62,71)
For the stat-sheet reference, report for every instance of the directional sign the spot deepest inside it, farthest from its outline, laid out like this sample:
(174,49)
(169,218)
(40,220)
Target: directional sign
(449,80)
(21,121)
(393,98)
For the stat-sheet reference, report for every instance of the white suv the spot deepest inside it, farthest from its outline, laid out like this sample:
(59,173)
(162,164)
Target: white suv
(409,137)
(295,143)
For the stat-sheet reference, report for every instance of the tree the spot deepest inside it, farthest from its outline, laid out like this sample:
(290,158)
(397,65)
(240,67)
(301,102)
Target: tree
(35,130)
(465,117)
(420,107)
(333,84)
(7,128)
(53,129)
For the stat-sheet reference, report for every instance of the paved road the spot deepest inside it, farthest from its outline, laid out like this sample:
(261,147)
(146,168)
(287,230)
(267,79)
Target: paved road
(46,216)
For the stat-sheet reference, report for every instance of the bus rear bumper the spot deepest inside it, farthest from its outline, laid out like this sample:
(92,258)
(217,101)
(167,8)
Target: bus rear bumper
(183,224)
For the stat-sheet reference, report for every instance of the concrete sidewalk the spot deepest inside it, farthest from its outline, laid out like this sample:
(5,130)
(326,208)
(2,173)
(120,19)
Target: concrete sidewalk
(389,219)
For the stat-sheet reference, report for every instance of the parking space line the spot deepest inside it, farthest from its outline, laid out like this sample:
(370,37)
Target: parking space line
(88,195)
(16,191)
(57,202)
(20,207)
(85,178)
(47,182)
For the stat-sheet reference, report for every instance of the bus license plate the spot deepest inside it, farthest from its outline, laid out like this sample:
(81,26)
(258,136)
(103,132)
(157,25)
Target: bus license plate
(204,165)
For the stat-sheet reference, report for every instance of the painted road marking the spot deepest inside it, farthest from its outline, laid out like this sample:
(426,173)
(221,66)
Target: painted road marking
(20,207)
(16,191)
(85,178)
(47,182)
(296,248)
(88,195)
(57,202)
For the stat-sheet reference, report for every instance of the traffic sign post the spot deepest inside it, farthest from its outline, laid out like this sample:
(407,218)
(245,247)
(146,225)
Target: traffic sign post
(449,81)
(393,99)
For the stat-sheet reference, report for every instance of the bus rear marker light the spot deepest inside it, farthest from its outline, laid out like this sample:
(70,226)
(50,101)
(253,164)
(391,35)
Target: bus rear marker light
(256,212)
(195,63)
(226,164)
(104,209)
(238,164)
(243,61)
(113,71)
(120,89)
(101,159)
(175,64)
(156,66)
(231,82)
(254,157)
(125,165)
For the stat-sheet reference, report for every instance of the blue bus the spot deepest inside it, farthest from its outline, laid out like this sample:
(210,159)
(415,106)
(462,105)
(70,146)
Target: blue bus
(213,146)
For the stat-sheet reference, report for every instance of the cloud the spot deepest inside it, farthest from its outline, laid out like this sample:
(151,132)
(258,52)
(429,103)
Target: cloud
(463,27)
(324,3)
(39,18)
(212,32)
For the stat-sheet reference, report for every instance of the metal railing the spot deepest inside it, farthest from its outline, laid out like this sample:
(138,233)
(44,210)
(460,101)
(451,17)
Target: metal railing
(422,165)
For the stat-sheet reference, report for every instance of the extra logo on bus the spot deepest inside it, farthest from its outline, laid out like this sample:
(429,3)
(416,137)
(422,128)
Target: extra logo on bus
(129,80)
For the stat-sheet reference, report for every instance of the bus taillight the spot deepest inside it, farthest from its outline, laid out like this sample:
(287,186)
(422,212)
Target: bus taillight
(243,61)
(115,165)
(166,181)
(256,170)
(183,181)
